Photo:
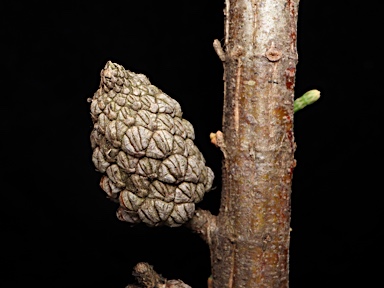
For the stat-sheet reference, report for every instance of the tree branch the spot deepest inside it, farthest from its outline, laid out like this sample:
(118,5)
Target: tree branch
(204,224)
(147,277)
(251,245)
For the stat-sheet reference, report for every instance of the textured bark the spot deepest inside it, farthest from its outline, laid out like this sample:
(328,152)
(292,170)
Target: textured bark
(249,238)
(250,246)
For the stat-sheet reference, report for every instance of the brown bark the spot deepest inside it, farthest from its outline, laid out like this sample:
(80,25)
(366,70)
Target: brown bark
(249,238)
(250,242)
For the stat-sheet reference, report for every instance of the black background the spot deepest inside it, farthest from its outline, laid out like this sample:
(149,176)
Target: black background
(57,227)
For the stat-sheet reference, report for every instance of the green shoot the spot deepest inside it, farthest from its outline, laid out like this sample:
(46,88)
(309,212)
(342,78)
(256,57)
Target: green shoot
(308,98)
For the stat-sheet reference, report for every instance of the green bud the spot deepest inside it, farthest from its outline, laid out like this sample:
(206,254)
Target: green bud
(308,98)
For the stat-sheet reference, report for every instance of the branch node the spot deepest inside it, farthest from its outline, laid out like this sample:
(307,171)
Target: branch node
(219,50)
(204,224)
(147,277)
(273,54)
(217,139)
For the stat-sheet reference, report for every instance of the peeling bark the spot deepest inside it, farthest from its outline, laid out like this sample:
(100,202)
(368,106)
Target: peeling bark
(250,246)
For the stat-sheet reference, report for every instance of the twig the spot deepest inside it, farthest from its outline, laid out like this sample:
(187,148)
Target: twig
(204,224)
(219,50)
(147,277)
